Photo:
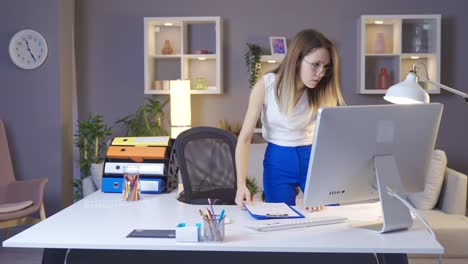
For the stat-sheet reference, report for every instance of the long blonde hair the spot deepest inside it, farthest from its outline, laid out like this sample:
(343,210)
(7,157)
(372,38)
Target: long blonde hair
(328,90)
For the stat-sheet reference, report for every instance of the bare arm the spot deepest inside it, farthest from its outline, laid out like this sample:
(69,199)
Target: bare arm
(242,149)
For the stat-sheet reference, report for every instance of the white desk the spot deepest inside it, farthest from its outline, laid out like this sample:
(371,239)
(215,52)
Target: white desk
(102,221)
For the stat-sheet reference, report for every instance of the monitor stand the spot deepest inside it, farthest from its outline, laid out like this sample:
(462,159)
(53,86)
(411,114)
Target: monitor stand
(396,216)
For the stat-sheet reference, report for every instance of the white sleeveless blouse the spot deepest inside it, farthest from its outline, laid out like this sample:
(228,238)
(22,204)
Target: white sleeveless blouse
(283,130)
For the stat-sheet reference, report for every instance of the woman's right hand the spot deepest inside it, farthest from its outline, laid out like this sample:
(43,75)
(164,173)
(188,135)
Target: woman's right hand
(242,196)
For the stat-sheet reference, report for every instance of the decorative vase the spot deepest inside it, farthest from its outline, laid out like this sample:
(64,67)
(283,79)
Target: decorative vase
(417,39)
(88,186)
(96,173)
(167,48)
(200,83)
(384,79)
(379,44)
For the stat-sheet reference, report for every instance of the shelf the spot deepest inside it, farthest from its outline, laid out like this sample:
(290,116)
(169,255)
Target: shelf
(187,37)
(197,56)
(167,57)
(382,54)
(271,58)
(209,90)
(388,41)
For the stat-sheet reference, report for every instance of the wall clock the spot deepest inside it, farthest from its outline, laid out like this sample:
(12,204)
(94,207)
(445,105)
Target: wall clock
(28,49)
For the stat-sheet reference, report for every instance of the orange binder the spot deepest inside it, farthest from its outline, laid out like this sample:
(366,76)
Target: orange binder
(137,154)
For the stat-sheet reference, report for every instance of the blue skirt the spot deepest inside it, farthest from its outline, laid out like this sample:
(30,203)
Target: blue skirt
(284,168)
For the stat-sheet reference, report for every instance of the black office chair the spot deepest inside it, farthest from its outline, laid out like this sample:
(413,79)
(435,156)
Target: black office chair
(206,157)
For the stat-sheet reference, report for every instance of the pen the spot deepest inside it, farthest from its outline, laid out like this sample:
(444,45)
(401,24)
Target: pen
(209,214)
(211,206)
(335,204)
(221,215)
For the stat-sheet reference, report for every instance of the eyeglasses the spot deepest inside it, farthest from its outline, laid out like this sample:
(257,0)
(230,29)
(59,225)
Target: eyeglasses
(318,67)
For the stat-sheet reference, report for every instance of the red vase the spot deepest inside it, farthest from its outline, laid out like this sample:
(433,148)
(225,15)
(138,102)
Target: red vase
(384,79)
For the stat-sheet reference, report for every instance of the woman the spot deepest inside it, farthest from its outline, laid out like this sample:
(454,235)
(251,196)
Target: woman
(288,99)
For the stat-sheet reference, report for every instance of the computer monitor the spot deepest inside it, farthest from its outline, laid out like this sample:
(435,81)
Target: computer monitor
(359,153)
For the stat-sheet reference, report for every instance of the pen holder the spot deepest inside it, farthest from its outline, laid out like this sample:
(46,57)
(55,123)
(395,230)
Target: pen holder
(213,229)
(131,185)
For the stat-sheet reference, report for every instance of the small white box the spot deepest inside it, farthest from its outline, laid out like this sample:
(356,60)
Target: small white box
(186,233)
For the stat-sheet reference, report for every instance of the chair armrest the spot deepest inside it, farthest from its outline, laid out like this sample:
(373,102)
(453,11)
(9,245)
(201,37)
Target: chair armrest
(26,190)
(452,198)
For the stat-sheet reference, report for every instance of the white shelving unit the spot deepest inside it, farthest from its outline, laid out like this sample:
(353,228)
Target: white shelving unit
(269,62)
(186,35)
(396,42)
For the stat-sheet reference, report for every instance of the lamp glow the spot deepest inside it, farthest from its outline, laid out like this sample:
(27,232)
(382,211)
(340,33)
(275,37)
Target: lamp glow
(271,61)
(181,117)
(168,24)
(201,58)
(378,22)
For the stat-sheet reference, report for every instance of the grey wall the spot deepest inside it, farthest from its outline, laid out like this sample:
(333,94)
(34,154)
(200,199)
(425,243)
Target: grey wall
(110,52)
(36,121)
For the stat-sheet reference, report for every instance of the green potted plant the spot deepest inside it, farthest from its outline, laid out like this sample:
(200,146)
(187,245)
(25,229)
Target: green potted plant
(252,60)
(252,185)
(147,121)
(91,142)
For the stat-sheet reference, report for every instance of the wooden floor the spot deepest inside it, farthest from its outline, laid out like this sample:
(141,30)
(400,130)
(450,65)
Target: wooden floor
(19,255)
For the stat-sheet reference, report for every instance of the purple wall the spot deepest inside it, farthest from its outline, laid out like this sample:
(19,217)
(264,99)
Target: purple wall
(110,52)
(30,101)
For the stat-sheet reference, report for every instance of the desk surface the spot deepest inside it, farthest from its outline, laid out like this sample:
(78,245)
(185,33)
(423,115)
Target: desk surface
(103,220)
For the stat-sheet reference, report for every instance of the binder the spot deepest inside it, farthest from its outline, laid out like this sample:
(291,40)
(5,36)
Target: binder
(137,154)
(264,211)
(158,166)
(148,184)
(144,168)
(141,141)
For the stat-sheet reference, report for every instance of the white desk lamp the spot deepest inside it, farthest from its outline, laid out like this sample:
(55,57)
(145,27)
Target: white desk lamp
(410,92)
(180,106)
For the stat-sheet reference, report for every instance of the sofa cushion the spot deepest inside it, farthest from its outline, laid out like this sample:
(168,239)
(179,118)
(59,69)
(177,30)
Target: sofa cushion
(13,207)
(451,231)
(427,199)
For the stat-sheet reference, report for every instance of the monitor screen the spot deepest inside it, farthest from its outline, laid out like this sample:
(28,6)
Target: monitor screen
(347,140)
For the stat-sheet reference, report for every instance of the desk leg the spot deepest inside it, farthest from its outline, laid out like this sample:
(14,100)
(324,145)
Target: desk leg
(392,258)
(53,256)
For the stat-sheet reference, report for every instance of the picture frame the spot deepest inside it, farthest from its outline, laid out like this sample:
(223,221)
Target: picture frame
(278,45)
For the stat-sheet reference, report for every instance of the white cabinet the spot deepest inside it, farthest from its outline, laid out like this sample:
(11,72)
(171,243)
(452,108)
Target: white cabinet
(390,44)
(187,48)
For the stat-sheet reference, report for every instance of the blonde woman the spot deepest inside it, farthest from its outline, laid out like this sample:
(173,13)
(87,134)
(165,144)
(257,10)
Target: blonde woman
(288,99)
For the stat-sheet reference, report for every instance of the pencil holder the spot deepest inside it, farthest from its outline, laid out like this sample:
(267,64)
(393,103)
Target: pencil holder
(213,229)
(131,184)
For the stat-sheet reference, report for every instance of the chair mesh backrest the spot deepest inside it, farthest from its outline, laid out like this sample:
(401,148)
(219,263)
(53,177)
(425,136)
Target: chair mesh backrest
(6,167)
(207,165)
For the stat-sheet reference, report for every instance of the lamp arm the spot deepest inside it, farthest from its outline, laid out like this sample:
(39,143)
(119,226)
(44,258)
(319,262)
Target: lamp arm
(464,95)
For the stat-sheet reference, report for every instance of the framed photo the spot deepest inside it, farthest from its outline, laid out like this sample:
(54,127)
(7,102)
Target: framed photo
(278,45)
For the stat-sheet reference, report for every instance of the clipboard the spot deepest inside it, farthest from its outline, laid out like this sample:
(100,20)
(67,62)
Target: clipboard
(264,211)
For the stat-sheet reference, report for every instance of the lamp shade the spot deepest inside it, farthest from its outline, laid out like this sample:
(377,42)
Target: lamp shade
(181,116)
(407,92)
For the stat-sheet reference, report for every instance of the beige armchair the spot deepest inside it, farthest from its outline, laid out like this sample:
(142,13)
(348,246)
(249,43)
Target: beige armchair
(18,199)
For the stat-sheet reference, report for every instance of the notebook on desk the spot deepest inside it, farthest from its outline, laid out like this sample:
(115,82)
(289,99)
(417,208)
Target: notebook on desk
(263,211)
